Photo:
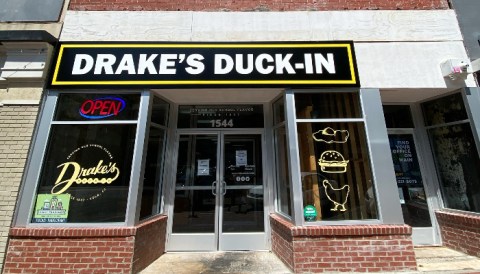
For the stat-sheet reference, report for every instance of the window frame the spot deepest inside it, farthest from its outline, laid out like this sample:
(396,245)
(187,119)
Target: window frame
(40,139)
(157,205)
(388,203)
(275,129)
(469,97)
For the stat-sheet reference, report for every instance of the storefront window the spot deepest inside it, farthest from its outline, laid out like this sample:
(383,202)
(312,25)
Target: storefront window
(152,182)
(406,163)
(86,169)
(455,152)
(337,181)
(278,112)
(283,172)
(99,107)
(160,110)
(398,116)
(327,105)
(444,110)
(282,169)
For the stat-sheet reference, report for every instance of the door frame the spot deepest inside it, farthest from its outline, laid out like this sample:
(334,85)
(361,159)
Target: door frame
(423,235)
(196,241)
(207,241)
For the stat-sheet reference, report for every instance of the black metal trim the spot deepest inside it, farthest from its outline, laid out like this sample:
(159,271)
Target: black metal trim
(27,36)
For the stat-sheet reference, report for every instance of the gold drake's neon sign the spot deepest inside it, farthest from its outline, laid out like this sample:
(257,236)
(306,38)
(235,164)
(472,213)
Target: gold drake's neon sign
(82,175)
(104,173)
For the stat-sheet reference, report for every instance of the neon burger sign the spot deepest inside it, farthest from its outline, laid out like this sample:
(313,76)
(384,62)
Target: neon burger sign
(101,108)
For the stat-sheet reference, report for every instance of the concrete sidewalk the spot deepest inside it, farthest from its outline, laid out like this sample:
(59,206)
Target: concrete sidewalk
(429,260)
(445,260)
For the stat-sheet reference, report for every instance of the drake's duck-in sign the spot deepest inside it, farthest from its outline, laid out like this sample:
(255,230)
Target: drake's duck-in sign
(189,65)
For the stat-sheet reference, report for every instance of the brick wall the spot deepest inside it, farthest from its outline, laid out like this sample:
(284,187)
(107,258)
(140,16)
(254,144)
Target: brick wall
(149,243)
(250,5)
(84,250)
(16,127)
(460,231)
(282,242)
(358,248)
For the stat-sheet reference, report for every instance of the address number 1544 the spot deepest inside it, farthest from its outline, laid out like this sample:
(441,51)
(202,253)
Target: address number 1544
(222,123)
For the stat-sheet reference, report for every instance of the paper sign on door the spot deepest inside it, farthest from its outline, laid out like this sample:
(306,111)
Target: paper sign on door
(203,168)
(241,157)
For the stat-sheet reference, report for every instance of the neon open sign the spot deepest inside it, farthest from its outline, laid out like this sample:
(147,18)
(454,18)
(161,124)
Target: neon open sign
(102,107)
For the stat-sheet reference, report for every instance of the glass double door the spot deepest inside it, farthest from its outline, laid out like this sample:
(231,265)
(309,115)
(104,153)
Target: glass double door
(218,200)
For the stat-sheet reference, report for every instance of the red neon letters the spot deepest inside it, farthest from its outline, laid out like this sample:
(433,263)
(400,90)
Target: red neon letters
(102,107)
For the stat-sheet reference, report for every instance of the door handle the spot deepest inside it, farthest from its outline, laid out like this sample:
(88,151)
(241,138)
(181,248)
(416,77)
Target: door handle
(214,186)
(224,187)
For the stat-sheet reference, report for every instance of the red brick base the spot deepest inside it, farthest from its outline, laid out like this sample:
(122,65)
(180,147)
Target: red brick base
(85,250)
(460,231)
(356,248)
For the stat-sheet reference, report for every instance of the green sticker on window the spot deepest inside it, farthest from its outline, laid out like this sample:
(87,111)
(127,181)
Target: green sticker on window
(310,213)
(51,208)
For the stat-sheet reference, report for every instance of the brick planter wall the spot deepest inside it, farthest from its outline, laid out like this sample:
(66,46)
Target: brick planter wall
(149,243)
(356,248)
(460,231)
(85,250)
(248,5)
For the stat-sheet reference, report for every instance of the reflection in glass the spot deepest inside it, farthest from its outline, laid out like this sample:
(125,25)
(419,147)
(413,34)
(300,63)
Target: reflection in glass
(197,160)
(243,209)
(458,165)
(153,172)
(455,152)
(159,111)
(90,152)
(243,160)
(335,171)
(444,110)
(194,205)
(327,105)
(409,180)
(194,211)
(398,116)
(278,111)
(197,190)
(283,172)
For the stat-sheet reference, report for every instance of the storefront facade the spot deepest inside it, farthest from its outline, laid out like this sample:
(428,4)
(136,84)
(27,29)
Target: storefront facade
(27,41)
(332,145)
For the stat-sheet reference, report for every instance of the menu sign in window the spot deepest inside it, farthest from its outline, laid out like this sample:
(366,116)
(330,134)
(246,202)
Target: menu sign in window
(407,168)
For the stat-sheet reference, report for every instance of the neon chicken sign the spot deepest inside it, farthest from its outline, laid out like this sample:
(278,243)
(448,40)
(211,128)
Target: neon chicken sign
(101,108)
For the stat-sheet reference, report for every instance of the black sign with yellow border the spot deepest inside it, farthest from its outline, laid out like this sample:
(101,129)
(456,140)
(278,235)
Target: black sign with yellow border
(194,65)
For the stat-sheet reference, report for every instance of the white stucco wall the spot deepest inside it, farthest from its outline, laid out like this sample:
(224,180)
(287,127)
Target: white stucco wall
(394,49)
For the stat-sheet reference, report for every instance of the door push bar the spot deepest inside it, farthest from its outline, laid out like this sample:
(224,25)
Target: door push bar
(223,188)
(214,186)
